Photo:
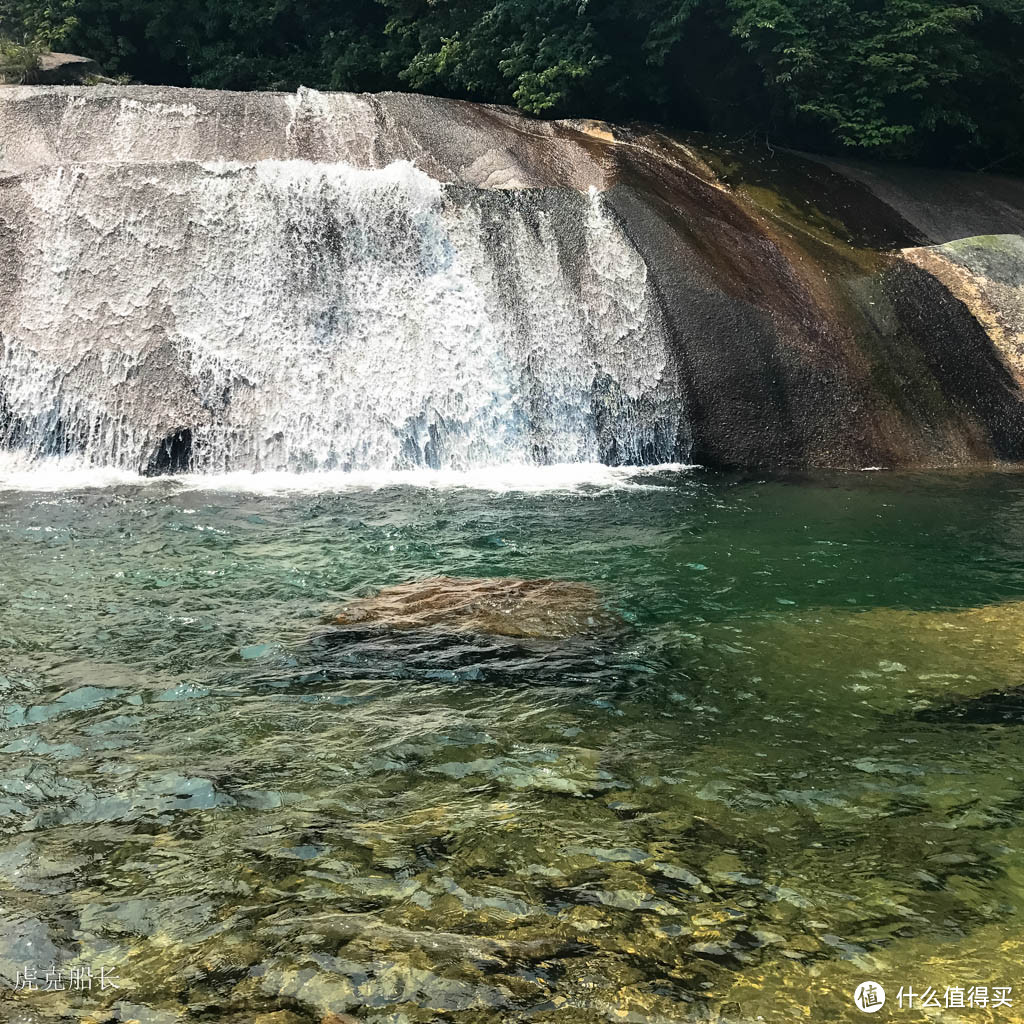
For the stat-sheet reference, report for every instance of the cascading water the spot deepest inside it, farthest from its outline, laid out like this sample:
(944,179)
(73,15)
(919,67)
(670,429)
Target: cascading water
(292,315)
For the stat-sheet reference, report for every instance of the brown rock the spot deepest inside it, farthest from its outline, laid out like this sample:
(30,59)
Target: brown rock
(339,1018)
(63,69)
(499,607)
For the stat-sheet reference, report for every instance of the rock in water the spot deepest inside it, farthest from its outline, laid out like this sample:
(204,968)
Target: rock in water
(501,607)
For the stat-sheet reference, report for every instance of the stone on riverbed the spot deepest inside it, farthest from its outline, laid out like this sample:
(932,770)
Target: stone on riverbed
(543,608)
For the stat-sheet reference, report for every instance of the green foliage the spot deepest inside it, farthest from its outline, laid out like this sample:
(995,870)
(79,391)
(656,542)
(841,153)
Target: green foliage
(939,80)
(875,74)
(18,61)
(38,24)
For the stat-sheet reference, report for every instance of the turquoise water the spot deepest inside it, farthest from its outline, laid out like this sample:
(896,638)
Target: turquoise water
(798,764)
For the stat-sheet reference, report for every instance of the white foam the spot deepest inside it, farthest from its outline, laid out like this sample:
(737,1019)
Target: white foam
(298,316)
(71,475)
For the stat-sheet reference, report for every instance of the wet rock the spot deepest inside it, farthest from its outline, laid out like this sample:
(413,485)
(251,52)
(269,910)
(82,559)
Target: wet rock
(137,1013)
(785,252)
(25,941)
(499,607)
(985,274)
(280,1017)
(172,455)
(963,302)
(335,985)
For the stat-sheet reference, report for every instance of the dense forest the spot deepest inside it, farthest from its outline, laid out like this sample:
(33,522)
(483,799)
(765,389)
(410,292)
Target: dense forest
(937,81)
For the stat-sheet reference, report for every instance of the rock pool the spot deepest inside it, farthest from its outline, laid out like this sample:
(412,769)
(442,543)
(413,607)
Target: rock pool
(772,783)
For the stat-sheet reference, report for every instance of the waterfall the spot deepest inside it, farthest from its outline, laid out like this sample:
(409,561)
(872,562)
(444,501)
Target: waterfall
(296,315)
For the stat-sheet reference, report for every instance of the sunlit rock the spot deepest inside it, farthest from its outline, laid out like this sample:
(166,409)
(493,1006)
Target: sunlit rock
(64,69)
(986,273)
(499,607)
(280,1017)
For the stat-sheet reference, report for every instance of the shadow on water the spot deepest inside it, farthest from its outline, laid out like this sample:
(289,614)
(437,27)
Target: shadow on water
(1003,707)
(428,655)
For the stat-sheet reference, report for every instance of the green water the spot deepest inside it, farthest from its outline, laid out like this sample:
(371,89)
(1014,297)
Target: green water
(785,775)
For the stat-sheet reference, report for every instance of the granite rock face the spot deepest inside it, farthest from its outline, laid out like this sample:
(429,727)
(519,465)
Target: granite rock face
(986,273)
(208,280)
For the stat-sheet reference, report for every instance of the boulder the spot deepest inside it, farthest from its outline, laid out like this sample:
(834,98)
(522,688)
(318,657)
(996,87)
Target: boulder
(64,69)
(542,608)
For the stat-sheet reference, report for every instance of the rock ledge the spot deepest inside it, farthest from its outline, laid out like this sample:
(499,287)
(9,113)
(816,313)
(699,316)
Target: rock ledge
(64,69)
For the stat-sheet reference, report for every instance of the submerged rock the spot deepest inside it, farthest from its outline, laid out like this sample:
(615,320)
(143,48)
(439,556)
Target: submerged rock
(24,941)
(956,663)
(986,639)
(499,607)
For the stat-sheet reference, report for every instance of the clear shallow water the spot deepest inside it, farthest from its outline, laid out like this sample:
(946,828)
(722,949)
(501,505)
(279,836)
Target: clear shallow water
(784,775)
